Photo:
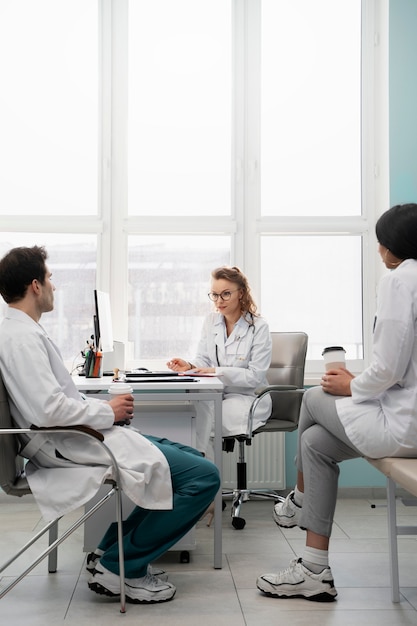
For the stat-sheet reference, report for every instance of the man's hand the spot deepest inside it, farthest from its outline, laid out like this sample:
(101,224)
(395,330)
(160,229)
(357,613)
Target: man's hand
(337,382)
(122,408)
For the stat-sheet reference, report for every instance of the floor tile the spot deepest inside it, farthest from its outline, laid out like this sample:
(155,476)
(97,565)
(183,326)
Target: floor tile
(358,555)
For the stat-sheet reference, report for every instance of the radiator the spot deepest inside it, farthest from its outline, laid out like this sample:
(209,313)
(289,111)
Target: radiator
(265,460)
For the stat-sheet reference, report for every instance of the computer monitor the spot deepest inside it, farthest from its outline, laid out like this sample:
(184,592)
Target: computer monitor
(103,328)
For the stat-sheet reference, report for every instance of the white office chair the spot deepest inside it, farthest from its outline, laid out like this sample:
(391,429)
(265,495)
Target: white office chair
(286,388)
(13,482)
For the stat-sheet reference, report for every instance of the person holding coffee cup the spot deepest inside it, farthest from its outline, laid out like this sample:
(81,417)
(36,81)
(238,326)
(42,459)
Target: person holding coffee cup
(373,414)
(170,483)
(334,357)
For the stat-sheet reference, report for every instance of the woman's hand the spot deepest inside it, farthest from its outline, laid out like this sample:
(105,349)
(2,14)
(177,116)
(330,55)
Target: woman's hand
(178,365)
(337,382)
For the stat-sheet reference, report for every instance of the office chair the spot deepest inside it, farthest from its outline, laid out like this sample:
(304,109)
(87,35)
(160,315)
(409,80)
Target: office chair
(13,482)
(286,388)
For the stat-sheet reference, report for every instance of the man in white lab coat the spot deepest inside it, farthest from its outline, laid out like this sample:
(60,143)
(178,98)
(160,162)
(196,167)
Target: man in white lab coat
(171,484)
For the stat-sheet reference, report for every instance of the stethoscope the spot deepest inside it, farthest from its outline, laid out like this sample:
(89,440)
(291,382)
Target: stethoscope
(238,338)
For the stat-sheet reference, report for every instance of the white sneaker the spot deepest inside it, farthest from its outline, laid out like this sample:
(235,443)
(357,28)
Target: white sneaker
(93,558)
(149,588)
(299,582)
(286,512)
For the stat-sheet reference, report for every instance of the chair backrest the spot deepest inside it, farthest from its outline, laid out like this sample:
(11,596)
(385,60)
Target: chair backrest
(12,479)
(288,359)
(289,351)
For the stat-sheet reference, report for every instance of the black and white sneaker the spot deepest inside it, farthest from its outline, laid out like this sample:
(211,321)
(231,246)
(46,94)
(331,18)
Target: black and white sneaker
(93,558)
(297,581)
(147,589)
(286,512)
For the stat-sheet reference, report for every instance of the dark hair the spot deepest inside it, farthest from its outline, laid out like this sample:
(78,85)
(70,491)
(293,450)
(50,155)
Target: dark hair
(396,230)
(17,270)
(236,276)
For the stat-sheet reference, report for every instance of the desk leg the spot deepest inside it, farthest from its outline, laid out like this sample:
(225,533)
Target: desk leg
(218,430)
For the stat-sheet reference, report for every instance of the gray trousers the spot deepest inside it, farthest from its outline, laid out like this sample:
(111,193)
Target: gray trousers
(322,444)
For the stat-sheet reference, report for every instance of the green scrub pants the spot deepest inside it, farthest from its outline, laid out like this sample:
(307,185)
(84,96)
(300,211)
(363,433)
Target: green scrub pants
(147,534)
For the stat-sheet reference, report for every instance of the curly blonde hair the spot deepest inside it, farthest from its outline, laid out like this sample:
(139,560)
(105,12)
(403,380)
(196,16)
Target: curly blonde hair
(236,276)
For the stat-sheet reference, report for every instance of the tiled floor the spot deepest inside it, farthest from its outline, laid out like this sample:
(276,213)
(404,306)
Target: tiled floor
(359,560)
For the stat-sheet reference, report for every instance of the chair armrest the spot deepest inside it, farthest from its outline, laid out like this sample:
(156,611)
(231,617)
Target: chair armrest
(13,480)
(284,390)
(264,390)
(80,428)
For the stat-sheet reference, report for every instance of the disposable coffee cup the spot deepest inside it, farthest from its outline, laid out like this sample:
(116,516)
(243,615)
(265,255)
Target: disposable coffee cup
(120,389)
(334,357)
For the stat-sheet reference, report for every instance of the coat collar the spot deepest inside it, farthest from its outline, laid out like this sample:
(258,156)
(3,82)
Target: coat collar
(21,316)
(242,325)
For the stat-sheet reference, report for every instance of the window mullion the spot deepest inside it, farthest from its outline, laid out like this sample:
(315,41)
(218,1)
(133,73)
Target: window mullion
(112,256)
(249,252)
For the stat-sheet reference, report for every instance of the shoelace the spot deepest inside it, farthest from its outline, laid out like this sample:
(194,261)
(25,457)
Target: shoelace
(290,568)
(151,581)
(94,558)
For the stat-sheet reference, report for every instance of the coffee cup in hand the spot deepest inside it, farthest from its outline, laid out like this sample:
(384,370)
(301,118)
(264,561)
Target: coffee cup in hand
(334,357)
(120,389)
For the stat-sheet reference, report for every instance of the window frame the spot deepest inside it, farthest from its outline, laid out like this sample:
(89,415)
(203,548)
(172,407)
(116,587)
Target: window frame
(245,225)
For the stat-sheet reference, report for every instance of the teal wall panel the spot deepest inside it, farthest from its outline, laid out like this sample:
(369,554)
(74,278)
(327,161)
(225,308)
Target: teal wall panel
(403,101)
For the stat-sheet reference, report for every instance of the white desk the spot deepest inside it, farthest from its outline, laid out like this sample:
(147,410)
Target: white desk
(209,388)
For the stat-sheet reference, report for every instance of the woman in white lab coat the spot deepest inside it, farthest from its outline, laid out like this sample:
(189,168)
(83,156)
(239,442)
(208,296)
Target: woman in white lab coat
(235,344)
(373,414)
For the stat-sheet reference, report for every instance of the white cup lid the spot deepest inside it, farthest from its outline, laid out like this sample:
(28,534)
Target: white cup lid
(120,388)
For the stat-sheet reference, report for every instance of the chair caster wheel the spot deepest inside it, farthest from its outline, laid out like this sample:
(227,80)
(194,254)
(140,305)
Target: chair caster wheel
(238,523)
(184,556)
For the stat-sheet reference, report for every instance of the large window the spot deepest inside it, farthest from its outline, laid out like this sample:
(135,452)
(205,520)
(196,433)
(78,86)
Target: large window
(72,260)
(168,292)
(49,107)
(315,284)
(49,151)
(180,88)
(311,108)
(146,143)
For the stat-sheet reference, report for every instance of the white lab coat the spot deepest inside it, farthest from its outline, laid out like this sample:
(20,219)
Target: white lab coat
(380,417)
(43,393)
(242,361)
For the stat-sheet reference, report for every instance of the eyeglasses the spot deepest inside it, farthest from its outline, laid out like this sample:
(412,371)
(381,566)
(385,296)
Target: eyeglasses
(224,295)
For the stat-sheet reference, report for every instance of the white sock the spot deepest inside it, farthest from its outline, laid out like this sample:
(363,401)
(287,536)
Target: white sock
(315,560)
(298,497)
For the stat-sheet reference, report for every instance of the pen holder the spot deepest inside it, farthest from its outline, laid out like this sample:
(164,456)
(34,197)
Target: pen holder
(94,365)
